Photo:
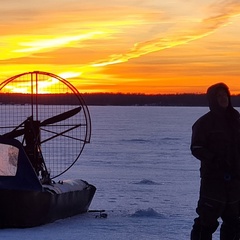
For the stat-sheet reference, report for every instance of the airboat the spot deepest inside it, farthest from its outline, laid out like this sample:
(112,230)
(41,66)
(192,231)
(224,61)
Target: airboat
(44,126)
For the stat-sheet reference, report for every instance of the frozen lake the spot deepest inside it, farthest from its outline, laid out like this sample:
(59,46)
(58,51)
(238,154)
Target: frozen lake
(146,179)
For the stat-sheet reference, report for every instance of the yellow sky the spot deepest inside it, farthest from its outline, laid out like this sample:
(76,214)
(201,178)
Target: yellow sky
(124,46)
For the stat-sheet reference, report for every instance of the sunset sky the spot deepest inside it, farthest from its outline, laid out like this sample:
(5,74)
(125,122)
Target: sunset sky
(128,46)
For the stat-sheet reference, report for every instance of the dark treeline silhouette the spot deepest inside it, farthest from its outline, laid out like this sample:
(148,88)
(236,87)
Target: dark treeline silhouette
(121,99)
(113,99)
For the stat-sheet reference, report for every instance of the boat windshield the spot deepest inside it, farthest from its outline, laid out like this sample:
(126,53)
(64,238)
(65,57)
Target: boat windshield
(8,160)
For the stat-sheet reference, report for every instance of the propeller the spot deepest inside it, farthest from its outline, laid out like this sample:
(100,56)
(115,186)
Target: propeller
(58,118)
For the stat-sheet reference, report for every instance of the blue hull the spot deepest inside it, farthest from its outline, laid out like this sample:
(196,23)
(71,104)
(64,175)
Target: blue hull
(25,201)
(22,209)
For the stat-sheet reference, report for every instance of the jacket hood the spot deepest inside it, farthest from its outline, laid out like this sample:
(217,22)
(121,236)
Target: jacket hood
(212,96)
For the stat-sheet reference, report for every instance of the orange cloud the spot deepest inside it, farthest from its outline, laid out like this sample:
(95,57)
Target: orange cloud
(227,11)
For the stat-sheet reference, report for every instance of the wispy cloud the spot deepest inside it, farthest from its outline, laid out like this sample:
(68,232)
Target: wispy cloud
(225,12)
(15,47)
(38,45)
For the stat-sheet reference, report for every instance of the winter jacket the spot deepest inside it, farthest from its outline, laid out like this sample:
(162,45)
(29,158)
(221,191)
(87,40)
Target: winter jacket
(216,143)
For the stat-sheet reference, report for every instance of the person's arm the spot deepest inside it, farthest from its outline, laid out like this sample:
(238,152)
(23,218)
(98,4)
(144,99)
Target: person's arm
(199,146)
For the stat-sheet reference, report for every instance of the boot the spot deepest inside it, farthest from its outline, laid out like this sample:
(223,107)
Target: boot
(230,231)
(201,233)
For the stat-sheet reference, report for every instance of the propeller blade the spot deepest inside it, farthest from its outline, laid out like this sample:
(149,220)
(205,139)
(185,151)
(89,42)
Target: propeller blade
(61,117)
(14,133)
(18,132)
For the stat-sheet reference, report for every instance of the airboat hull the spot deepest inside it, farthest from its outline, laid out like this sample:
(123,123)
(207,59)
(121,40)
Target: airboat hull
(25,201)
(23,209)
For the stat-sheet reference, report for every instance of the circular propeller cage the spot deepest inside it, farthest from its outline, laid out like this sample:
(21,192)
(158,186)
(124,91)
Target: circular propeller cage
(56,107)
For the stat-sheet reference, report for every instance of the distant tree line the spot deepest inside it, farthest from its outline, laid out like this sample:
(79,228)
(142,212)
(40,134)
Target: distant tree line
(113,99)
(121,99)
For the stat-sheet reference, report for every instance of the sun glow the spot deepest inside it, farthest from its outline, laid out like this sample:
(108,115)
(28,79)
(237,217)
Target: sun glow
(48,85)
(70,74)
(28,85)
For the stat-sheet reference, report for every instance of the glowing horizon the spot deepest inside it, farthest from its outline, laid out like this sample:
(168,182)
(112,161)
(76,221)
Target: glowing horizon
(119,47)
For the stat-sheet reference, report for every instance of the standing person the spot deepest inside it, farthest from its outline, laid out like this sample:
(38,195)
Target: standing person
(216,143)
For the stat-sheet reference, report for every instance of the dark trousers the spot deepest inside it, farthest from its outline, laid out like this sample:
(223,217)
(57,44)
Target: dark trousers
(209,212)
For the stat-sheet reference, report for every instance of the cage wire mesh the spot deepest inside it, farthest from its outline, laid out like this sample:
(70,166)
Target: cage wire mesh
(42,96)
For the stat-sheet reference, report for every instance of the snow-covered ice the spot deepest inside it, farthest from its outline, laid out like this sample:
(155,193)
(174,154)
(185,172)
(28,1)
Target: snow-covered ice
(147,181)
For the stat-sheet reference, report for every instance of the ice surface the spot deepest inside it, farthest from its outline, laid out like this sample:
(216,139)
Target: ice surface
(147,181)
